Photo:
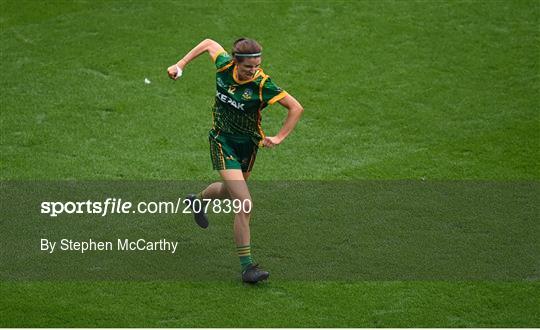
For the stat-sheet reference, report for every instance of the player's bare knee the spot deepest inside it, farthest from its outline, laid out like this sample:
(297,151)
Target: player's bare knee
(247,206)
(244,218)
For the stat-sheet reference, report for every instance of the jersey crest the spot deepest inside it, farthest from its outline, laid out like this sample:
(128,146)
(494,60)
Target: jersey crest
(247,94)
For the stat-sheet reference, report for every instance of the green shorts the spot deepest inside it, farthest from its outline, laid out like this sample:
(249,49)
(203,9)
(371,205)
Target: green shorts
(229,151)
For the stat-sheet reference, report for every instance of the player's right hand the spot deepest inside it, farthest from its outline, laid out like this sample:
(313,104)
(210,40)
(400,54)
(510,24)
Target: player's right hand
(174,72)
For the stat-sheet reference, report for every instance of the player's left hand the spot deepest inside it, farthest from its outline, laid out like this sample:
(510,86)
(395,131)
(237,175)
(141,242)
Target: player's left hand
(271,141)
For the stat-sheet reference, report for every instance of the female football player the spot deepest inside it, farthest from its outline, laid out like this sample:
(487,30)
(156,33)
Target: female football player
(243,90)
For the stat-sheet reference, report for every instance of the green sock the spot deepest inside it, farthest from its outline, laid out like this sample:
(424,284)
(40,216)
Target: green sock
(199,195)
(244,252)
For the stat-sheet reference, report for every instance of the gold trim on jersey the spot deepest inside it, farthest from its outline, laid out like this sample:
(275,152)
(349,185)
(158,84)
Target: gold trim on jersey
(214,58)
(261,86)
(259,127)
(259,116)
(225,67)
(241,82)
(278,97)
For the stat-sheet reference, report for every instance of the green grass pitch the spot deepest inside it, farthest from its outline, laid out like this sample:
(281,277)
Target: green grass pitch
(392,91)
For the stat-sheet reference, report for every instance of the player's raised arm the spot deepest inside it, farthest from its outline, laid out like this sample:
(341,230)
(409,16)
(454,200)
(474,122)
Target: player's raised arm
(207,45)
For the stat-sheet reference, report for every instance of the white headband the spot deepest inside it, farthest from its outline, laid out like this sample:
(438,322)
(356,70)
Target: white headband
(248,55)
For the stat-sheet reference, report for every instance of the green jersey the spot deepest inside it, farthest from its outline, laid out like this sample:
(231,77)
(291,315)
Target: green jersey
(238,105)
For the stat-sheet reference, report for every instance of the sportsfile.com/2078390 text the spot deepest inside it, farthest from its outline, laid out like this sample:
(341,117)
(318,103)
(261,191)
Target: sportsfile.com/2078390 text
(112,206)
